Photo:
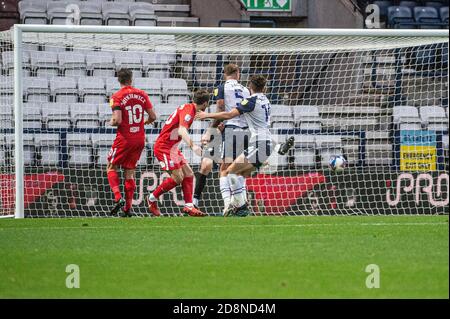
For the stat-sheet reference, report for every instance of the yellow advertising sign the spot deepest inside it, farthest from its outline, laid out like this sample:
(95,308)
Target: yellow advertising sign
(417,158)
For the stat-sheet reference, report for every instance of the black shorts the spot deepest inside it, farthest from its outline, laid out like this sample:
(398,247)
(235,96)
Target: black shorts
(257,153)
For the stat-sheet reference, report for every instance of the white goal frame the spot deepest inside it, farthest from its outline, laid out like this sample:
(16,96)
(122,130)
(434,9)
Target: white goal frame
(20,29)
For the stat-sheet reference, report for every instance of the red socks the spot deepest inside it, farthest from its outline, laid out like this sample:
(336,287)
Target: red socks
(188,189)
(130,186)
(165,186)
(114,182)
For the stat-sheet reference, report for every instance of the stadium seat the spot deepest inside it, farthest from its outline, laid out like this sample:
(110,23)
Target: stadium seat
(36,89)
(72,63)
(156,65)
(29,147)
(379,154)
(305,151)
(4,153)
(44,64)
(84,115)
(444,14)
(7,58)
(33,12)
(152,87)
(92,89)
(32,117)
(102,145)
(90,13)
(428,17)
(115,13)
(129,60)
(59,11)
(6,101)
(281,116)
(80,149)
(434,118)
(112,86)
(48,145)
(100,63)
(434,4)
(307,117)
(164,111)
(142,14)
(64,90)
(383,5)
(6,111)
(406,118)
(6,85)
(104,114)
(56,115)
(409,4)
(175,91)
(400,17)
(328,145)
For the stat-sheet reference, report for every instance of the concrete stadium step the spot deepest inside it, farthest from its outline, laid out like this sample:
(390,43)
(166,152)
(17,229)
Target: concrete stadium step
(156,2)
(363,100)
(171,10)
(349,110)
(178,22)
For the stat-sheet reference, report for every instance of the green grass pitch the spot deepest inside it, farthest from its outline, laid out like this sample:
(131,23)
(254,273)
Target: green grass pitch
(255,257)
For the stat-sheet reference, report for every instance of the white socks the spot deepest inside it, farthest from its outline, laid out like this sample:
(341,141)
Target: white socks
(152,198)
(237,186)
(244,186)
(225,190)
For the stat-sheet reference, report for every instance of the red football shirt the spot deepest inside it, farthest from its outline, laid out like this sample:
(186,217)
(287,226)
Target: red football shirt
(132,102)
(182,116)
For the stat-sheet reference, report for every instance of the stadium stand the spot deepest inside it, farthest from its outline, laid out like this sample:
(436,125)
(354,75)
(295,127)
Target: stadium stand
(86,79)
(411,14)
(101,12)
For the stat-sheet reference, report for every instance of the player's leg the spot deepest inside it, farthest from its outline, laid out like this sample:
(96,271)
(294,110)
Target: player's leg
(176,177)
(114,183)
(238,169)
(252,158)
(130,187)
(225,190)
(200,177)
(188,186)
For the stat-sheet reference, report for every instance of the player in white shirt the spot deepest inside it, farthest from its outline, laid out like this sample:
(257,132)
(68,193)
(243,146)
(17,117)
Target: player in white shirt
(256,111)
(235,134)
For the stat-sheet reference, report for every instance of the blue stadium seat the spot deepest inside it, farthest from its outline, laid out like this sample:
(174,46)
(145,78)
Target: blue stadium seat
(383,5)
(434,4)
(428,17)
(409,4)
(444,14)
(400,17)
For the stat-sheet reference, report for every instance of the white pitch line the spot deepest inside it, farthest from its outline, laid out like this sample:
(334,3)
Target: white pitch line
(225,226)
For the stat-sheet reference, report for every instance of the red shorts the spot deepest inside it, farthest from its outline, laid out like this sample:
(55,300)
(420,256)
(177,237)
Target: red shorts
(170,160)
(126,154)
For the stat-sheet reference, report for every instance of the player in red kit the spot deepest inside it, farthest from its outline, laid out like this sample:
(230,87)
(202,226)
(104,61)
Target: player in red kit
(171,158)
(128,106)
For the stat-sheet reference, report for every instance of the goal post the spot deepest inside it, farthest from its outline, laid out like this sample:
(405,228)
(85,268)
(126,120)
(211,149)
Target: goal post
(376,97)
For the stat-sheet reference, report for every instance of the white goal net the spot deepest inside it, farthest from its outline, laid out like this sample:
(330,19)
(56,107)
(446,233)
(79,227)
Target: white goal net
(378,100)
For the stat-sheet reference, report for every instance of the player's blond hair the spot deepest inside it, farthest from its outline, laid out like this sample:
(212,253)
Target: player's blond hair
(231,69)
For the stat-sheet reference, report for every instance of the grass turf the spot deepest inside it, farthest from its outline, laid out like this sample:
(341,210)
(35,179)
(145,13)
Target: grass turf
(255,257)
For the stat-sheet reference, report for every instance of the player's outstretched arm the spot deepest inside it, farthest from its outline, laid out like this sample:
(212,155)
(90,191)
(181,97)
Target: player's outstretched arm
(183,132)
(220,108)
(218,116)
